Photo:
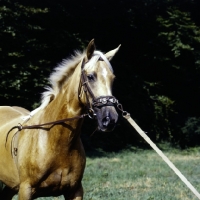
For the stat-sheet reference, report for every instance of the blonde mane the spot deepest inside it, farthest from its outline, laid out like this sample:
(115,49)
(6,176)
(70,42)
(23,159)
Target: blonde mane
(60,74)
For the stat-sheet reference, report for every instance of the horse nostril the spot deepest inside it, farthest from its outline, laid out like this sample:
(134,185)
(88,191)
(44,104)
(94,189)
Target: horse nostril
(106,121)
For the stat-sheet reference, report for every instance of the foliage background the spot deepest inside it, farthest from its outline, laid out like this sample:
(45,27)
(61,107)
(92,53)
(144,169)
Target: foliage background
(157,67)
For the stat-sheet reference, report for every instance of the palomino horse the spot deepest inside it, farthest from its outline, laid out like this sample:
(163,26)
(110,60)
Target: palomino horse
(38,158)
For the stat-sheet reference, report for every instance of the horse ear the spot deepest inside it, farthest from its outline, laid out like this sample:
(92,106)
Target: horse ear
(111,53)
(90,49)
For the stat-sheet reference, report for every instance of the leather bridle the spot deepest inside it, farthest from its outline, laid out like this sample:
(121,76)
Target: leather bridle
(97,102)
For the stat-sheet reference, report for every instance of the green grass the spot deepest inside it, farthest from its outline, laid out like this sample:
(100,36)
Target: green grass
(140,175)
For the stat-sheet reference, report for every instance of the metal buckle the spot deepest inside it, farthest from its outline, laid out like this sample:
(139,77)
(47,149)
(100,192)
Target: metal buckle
(105,100)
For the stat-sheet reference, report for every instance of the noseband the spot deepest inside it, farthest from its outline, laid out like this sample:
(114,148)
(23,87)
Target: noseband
(97,102)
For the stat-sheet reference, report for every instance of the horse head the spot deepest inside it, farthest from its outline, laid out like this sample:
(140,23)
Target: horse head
(97,79)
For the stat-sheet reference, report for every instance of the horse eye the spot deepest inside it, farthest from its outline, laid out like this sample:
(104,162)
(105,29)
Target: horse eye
(90,77)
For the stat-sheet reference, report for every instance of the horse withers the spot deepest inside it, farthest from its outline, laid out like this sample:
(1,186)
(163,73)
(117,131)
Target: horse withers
(41,153)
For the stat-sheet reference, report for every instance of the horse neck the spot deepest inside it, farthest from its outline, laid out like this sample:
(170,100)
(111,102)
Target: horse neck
(66,105)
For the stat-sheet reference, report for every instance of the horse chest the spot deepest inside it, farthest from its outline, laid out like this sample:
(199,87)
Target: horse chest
(65,173)
(62,179)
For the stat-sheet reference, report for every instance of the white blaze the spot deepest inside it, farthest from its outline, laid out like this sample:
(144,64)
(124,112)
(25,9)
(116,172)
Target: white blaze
(104,73)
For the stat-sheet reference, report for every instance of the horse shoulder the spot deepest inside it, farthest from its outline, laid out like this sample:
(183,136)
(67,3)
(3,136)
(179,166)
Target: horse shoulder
(9,117)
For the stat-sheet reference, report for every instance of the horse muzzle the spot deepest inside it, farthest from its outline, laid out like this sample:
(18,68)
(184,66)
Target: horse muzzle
(106,117)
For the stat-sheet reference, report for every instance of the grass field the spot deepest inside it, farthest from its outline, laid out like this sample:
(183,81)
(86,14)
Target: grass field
(140,175)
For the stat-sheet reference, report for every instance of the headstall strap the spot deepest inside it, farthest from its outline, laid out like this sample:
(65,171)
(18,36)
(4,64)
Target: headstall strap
(86,89)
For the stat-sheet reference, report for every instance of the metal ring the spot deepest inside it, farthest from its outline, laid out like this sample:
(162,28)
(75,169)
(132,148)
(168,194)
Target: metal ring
(120,107)
(91,113)
(125,114)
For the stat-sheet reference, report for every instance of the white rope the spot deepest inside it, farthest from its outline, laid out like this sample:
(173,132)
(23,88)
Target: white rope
(161,154)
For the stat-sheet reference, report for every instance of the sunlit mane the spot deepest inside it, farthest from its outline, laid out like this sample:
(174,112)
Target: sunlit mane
(60,74)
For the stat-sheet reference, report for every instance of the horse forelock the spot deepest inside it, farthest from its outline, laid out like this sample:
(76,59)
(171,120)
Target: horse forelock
(95,58)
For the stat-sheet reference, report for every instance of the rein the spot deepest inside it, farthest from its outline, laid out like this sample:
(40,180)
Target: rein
(14,148)
(20,127)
